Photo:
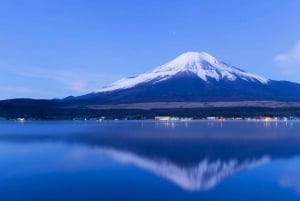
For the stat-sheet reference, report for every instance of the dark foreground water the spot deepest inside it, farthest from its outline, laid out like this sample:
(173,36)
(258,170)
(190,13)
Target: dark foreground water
(135,160)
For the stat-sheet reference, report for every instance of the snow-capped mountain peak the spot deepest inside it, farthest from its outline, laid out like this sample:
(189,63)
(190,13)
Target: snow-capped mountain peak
(201,64)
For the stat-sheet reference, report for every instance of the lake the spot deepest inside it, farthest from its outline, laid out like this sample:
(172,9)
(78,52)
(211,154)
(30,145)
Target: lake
(149,160)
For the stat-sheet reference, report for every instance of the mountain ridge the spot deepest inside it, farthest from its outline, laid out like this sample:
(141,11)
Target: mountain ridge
(201,64)
(192,77)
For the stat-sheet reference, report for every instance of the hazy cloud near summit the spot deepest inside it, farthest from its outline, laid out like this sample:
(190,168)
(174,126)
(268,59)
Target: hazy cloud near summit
(289,62)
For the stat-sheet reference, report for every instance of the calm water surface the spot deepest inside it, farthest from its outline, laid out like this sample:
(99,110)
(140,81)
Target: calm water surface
(148,160)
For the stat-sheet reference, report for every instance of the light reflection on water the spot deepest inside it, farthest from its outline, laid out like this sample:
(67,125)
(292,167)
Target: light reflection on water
(190,160)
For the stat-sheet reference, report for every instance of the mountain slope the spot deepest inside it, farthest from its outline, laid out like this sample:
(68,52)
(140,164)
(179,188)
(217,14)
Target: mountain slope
(201,64)
(194,77)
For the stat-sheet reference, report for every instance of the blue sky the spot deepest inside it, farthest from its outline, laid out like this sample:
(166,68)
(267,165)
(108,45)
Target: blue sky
(57,48)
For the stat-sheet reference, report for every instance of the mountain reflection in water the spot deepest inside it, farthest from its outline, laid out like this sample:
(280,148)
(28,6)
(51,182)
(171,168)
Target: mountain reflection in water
(205,175)
(194,156)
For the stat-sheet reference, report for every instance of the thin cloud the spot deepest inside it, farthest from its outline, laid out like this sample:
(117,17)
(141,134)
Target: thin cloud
(73,79)
(289,63)
(76,80)
(23,91)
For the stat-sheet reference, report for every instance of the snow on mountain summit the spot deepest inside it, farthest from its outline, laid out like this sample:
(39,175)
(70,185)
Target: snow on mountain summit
(202,64)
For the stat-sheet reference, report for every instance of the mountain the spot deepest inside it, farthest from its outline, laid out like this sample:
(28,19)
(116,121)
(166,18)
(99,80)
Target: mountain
(192,77)
(199,64)
(194,84)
